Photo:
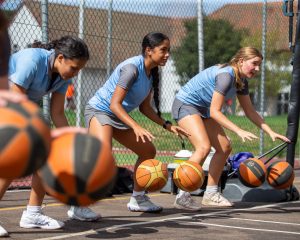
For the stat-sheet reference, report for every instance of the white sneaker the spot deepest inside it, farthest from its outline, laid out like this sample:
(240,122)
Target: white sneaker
(3,232)
(215,199)
(39,220)
(83,214)
(142,203)
(186,202)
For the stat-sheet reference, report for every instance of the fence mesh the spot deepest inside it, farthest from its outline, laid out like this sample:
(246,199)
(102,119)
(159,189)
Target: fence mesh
(114,29)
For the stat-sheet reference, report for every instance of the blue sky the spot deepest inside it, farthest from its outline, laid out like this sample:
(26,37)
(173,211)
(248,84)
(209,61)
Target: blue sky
(178,8)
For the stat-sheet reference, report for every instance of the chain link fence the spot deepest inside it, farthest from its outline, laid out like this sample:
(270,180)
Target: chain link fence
(202,33)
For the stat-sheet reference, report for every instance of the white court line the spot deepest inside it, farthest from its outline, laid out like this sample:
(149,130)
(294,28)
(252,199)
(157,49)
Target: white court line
(244,228)
(113,228)
(264,221)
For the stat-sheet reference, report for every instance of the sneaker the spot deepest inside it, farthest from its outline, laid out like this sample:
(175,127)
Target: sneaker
(83,214)
(39,220)
(142,203)
(215,199)
(3,232)
(186,202)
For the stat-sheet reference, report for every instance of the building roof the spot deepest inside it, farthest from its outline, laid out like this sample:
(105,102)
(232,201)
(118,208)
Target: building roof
(250,16)
(128,29)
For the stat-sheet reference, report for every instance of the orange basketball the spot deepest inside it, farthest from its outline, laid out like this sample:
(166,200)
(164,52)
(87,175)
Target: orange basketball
(280,175)
(24,139)
(152,175)
(188,176)
(252,172)
(80,169)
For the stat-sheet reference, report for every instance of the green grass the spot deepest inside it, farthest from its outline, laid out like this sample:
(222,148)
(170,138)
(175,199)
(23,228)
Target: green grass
(166,141)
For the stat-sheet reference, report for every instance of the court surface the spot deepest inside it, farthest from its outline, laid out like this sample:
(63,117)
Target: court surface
(244,221)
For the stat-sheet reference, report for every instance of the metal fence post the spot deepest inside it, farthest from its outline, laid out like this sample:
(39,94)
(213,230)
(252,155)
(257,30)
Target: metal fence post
(44,12)
(200,35)
(263,66)
(79,77)
(109,39)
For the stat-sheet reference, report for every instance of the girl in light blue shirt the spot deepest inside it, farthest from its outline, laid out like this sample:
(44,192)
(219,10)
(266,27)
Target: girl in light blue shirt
(131,86)
(197,108)
(36,72)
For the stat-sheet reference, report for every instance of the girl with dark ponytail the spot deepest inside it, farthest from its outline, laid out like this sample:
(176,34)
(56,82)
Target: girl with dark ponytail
(35,72)
(130,86)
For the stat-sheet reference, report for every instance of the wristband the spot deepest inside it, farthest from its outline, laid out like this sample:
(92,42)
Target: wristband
(166,123)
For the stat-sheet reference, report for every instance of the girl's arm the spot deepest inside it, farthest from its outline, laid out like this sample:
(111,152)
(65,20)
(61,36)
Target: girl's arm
(149,112)
(251,113)
(219,117)
(57,110)
(17,88)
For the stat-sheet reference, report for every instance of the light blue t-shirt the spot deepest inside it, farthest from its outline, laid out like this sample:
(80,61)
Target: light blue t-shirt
(199,90)
(30,68)
(130,75)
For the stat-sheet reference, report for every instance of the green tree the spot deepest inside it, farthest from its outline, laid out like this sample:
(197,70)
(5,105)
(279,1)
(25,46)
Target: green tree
(221,41)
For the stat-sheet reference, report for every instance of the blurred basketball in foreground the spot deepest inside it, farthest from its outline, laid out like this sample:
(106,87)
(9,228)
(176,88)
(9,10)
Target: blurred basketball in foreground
(252,172)
(280,175)
(188,176)
(152,175)
(80,169)
(24,139)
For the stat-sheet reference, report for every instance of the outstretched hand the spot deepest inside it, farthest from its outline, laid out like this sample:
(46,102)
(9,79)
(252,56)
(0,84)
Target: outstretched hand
(275,136)
(6,95)
(143,134)
(244,135)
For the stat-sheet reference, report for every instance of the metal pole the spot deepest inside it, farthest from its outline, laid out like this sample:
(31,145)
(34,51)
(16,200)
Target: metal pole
(200,35)
(79,77)
(44,12)
(263,68)
(109,39)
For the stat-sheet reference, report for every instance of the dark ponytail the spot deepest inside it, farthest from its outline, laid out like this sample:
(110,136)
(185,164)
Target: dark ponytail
(3,22)
(153,40)
(70,47)
(155,85)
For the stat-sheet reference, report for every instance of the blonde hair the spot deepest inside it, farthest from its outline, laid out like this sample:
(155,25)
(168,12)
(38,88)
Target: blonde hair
(245,53)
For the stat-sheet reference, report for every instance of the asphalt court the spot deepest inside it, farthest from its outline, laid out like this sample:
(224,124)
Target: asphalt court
(244,221)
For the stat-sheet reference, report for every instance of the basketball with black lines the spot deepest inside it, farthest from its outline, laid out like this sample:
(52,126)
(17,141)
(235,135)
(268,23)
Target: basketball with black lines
(252,172)
(80,169)
(188,176)
(152,175)
(24,139)
(280,175)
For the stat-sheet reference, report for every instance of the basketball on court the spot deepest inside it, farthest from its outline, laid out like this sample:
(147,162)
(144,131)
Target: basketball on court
(152,175)
(80,169)
(25,139)
(280,175)
(252,172)
(188,176)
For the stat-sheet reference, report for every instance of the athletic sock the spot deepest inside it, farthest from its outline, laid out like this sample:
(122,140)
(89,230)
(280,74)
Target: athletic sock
(181,193)
(211,189)
(136,193)
(34,209)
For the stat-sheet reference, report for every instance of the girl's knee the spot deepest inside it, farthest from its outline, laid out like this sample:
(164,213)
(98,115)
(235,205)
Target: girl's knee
(203,150)
(148,153)
(227,148)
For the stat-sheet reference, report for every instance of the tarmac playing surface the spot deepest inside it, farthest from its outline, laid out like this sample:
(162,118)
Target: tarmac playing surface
(247,220)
